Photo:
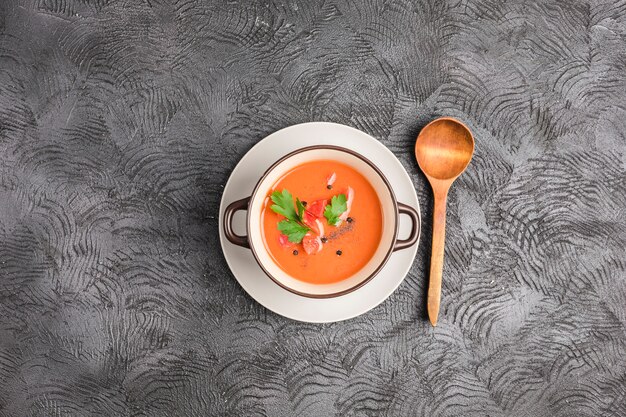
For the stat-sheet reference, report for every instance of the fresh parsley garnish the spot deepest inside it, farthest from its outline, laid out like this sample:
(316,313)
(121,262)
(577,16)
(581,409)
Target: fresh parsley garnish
(300,208)
(294,231)
(283,205)
(292,226)
(338,205)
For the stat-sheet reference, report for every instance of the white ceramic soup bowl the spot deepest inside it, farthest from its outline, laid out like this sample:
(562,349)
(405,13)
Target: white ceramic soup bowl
(254,205)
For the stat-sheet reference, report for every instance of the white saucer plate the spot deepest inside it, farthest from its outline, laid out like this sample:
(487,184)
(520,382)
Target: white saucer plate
(249,274)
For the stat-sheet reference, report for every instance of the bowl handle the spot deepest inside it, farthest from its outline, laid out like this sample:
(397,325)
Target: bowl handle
(415,227)
(232,208)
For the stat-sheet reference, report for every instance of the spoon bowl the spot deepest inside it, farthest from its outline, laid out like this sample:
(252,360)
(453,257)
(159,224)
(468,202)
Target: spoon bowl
(443,150)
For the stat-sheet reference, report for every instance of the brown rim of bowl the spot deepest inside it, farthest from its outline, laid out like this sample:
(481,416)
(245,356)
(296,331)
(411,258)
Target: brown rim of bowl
(395,233)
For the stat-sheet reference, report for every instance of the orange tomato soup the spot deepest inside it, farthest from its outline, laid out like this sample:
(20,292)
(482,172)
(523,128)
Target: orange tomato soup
(346,248)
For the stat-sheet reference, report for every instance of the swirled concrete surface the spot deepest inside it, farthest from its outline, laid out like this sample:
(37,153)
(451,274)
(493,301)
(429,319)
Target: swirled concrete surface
(120,121)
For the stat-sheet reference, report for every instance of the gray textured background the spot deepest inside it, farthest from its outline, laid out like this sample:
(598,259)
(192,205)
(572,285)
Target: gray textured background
(120,121)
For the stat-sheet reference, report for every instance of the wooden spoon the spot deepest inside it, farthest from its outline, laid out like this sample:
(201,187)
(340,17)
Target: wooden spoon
(443,150)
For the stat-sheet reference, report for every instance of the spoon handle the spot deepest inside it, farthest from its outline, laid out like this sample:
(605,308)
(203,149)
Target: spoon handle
(436,257)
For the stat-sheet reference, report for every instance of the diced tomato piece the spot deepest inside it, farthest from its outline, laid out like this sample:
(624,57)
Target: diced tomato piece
(331,179)
(317,207)
(314,224)
(311,243)
(308,218)
(284,242)
(350,198)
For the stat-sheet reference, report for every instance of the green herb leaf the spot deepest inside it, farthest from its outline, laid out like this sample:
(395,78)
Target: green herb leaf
(283,205)
(300,207)
(338,204)
(294,231)
(292,225)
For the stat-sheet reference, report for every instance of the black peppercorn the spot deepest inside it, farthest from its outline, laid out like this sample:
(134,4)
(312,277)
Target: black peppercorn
(349,219)
(339,252)
(330,187)
(304,203)
(324,240)
(295,251)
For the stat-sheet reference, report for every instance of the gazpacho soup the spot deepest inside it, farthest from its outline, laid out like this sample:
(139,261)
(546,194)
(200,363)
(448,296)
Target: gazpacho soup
(322,222)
